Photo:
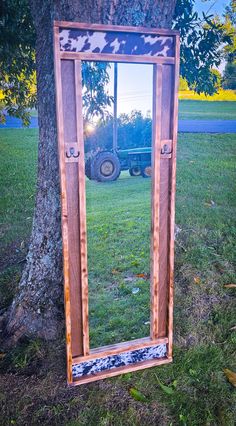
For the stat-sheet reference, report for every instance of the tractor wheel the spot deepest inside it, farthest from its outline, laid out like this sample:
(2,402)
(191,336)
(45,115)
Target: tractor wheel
(88,168)
(135,171)
(146,172)
(106,166)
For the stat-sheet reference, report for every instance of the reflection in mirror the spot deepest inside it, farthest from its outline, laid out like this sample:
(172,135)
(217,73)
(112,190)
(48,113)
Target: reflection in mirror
(117,111)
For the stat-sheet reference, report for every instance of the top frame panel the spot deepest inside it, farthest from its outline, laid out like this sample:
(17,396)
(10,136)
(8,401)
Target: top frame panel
(114,42)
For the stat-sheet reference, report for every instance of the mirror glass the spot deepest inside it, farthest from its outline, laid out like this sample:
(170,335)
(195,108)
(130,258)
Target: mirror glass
(117,113)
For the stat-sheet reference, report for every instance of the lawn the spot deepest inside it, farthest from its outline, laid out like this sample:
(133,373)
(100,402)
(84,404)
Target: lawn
(205,110)
(32,384)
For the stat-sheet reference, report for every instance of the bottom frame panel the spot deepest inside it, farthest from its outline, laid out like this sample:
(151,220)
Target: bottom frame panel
(108,366)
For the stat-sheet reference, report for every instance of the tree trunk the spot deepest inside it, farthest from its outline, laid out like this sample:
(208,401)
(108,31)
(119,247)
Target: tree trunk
(37,310)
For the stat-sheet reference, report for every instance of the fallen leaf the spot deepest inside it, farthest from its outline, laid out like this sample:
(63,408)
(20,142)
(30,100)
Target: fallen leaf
(231,376)
(168,390)
(114,272)
(230,285)
(174,384)
(144,276)
(2,356)
(233,328)
(197,280)
(136,394)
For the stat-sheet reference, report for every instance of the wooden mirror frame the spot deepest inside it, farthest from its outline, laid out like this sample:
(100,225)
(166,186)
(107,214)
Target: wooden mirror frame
(72,44)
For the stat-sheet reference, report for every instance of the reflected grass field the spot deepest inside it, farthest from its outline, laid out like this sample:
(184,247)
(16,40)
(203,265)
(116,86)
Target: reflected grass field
(118,225)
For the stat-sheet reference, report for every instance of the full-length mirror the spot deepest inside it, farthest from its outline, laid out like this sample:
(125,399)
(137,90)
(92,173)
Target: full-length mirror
(117,113)
(117,94)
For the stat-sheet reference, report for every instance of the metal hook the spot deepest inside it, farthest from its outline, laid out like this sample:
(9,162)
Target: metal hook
(72,153)
(165,149)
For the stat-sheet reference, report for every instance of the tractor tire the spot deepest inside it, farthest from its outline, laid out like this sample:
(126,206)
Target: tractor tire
(135,171)
(88,168)
(146,172)
(106,167)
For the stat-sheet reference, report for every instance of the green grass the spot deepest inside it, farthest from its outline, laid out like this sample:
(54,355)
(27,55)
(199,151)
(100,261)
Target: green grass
(203,110)
(18,177)
(204,341)
(118,250)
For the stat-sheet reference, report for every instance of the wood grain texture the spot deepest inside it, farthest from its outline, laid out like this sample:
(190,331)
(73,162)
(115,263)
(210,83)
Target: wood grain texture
(107,57)
(165,194)
(64,222)
(119,28)
(82,208)
(155,227)
(73,216)
(118,348)
(172,200)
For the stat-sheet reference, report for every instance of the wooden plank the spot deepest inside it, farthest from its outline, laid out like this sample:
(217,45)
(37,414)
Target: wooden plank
(82,207)
(119,28)
(118,348)
(64,222)
(113,57)
(172,201)
(73,219)
(166,134)
(156,152)
(122,370)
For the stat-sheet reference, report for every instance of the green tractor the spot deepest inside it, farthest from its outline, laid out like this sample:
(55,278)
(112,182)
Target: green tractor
(106,166)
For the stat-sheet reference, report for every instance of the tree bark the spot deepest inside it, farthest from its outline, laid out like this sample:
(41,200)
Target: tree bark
(37,310)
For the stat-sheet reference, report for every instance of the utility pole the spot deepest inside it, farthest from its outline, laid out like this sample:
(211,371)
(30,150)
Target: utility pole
(115,108)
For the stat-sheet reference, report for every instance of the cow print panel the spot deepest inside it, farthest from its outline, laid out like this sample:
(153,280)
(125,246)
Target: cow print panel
(95,366)
(119,43)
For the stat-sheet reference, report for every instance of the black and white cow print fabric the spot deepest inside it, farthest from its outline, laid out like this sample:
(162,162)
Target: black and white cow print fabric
(99,365)
(119,43)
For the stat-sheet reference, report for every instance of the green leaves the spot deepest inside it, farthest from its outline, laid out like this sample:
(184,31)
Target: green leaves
(17,60)
(95,76)
(169,390)
(201,46)
(137,395)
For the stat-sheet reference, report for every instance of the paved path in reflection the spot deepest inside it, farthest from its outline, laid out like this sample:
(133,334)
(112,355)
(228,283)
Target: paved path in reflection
(185,126)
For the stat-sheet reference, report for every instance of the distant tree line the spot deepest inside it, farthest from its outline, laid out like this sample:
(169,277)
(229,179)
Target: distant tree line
(134,130)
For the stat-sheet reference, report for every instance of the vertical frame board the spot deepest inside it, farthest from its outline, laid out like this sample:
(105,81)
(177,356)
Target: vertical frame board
(73,193)
(160,48)
(155,228)
(82,208)
(172,195)
(64,222)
